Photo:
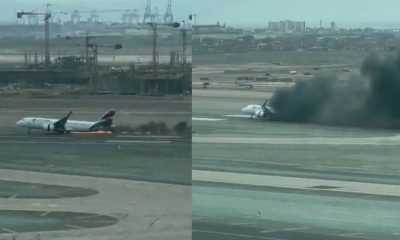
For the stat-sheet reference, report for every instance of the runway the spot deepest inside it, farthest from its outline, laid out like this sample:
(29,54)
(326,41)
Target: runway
(256,179)
(204,230)
(293,183)
(393,140)
(115,156)
(219,212)
(131,110)
(82,186)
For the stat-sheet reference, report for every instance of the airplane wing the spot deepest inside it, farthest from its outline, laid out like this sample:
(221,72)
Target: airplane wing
(60,124)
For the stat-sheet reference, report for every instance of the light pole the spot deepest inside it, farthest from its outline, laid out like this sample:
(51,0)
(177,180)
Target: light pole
(154,27)
(92,59)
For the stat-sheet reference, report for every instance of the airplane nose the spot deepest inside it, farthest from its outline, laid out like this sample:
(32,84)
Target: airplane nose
(20,122)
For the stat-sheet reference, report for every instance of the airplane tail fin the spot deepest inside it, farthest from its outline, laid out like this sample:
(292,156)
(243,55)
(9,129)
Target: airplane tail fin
(109,114)
(106,121)
(265,103)
(267,107)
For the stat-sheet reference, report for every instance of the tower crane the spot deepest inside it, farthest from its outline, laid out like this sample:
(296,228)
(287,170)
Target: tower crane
(47,16)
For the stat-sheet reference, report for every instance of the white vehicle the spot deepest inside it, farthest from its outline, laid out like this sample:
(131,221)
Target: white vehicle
(64,125)
(260,111)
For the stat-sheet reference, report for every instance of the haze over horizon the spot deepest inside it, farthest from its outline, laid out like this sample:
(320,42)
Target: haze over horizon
(257,13)
(237,13)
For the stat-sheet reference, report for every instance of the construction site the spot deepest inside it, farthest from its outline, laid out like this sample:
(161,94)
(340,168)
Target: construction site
(146,54)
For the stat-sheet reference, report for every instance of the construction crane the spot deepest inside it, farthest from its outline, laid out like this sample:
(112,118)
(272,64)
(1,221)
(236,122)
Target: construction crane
(168,16)
(194,16)
(91,57)
(154,27)
(147,14)
(47,16)
(184,31)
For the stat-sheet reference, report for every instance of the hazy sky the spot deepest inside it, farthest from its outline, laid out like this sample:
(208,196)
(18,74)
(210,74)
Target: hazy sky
(8,9)
(345,12)
(375,13)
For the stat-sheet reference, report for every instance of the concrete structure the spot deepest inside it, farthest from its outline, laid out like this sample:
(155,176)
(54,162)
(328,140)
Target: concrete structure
(287,26)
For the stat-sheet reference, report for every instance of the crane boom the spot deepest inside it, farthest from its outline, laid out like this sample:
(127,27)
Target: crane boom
(47,17)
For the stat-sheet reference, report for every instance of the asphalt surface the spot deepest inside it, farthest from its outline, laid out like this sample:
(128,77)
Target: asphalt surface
(13,221)
(162,159)
(152,158)
(119,185)
(25,190)
(131,111)
(269,180)
(204,230)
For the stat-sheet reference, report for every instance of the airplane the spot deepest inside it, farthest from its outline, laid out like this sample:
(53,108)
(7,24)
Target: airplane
(64,125)
(260,111)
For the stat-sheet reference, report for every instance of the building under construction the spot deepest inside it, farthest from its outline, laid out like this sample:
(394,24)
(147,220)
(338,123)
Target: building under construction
(172,78)
(144,78)
(152,78)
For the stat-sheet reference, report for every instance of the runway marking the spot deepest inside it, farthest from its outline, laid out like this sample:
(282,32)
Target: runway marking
(237,116)
(148,137)
(109,142)
(350,234)
(389,141)
(295,182)
(207,119)
(242,223)
(13,196)
(284,230)
(45,214)
(8,230)
(230,158)
(237,235)
(139,141)
(62,143)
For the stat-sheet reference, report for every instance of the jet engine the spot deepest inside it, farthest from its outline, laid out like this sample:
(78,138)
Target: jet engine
(259,113)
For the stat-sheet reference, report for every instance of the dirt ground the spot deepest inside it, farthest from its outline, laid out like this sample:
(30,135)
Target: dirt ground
(271,70)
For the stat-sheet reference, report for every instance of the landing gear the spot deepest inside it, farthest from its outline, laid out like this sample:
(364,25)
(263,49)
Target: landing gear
(29,131)
(252,115)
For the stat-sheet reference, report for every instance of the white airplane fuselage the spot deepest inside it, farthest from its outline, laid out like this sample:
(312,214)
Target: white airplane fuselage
(47,123)
(254,111)
(258,111)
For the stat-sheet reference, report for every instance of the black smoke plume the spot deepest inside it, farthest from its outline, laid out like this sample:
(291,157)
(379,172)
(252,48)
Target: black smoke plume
(371,100)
